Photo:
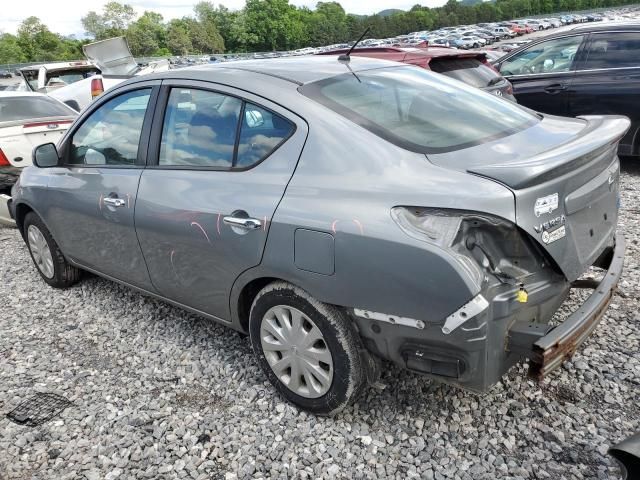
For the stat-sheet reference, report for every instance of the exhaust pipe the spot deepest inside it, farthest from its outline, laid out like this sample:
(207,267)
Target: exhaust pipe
(627,453)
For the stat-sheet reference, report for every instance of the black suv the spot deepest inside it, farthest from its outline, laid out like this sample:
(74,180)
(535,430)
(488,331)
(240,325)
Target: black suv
(590,69)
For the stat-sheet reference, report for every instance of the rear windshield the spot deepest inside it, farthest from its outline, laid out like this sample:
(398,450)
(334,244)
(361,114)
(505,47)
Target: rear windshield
(468,70)
(419,110)
(60,77)
(25,108)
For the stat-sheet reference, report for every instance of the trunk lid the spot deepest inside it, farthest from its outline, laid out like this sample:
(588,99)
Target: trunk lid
(564,177)
(19,138)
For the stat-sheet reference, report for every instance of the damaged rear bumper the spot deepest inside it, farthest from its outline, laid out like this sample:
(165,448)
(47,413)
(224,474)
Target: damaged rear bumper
(549,347)
(6,217)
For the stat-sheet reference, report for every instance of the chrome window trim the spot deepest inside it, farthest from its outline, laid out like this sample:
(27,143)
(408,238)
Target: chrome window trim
(607,69)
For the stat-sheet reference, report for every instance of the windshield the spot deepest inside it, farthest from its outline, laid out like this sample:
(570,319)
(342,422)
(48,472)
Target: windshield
(28,107)
(419,110)
(468,70)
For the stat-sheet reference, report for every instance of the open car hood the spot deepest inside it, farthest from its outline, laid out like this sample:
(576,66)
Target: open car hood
(112,56)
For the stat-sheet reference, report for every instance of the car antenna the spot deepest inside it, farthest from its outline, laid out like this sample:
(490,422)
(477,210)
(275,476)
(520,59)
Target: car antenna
(345,57)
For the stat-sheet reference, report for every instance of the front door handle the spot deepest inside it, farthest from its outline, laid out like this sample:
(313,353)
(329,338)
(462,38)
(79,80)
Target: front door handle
(243,222)
(114,202)
(555,88)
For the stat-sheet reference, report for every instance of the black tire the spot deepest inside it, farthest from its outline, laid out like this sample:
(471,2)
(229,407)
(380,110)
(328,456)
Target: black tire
(342,340)
(64,274)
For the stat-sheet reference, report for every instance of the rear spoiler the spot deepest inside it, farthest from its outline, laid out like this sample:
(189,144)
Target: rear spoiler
(601,133)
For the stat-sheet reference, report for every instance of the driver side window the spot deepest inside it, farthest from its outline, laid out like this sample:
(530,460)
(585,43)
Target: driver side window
(556,55)
(111,134)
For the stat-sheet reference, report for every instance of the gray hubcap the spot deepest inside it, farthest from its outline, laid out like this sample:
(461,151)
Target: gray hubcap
(40,251)
(296,351)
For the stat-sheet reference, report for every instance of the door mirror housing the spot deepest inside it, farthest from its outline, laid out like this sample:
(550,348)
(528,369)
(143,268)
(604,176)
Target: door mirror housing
(46,156)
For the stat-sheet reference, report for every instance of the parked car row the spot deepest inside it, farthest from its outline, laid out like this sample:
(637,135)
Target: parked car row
(444,244)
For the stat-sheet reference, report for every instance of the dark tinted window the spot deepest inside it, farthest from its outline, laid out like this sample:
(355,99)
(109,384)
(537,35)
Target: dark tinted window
(199,129)
(28,107)
(110,136)
(614,50)
(468,70)
(419,110)
(262,132)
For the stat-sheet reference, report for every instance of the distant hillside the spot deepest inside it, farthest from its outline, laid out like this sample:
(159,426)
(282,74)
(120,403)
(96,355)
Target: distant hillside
(389,11)
(470,3)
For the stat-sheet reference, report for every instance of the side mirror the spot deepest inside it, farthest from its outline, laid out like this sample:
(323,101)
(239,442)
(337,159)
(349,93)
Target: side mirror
(45,156)
(254,118)
(497,66)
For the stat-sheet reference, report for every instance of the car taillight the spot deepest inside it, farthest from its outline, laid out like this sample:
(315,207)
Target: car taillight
(4,161)
(96,87)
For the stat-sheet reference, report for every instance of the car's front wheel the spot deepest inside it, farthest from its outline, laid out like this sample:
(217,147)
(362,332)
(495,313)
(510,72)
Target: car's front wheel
(46,255)
(309,350)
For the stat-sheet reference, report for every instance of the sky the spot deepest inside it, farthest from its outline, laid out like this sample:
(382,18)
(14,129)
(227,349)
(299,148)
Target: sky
(64,17)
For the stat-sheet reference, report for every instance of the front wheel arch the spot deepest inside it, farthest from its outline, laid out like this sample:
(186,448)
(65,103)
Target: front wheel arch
(22,210)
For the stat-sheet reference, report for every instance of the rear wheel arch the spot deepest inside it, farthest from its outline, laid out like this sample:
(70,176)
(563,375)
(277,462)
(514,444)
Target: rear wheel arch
(246,297)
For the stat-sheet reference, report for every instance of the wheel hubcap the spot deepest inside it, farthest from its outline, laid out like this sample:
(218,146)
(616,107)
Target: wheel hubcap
(296,351)
(40,251)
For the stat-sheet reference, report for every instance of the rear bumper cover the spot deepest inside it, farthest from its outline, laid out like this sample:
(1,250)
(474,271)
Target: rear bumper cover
(6,215)
(561,342)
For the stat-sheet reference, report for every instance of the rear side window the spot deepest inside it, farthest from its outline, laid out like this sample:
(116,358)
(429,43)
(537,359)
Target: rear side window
(468,70)
(613,50)
(419,110)
(262,132)
(111,134)
(213,130)
(30,107)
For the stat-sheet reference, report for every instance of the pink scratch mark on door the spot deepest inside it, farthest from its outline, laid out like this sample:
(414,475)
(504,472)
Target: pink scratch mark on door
(264,224)
(128,201)
(218,224)
(357,222)
(100,202)
(333,226)
(173,267)
(196,224)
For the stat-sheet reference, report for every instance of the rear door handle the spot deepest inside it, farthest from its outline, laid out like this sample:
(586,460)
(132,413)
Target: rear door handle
(555,88)
(114,202)
(242,222)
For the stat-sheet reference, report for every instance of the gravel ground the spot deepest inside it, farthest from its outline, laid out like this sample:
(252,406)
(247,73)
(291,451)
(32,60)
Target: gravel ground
(159,393)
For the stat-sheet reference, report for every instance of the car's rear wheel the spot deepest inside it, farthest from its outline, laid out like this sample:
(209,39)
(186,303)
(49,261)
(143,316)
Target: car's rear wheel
(46,255)
(309,350)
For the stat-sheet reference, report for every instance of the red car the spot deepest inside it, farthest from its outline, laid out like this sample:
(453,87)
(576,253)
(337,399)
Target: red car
(472,68)
(520,29)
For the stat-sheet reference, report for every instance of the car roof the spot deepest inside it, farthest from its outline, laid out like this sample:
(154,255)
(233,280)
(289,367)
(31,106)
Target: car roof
(59,65)
(297,70)
(608,26)
(401,54)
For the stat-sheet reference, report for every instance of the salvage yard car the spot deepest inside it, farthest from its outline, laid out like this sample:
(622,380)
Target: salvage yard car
(589,69)
(472,68)
(27,120)
(339,210)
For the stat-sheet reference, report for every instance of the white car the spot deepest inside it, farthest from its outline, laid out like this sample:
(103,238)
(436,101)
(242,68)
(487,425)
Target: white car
(28,119)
